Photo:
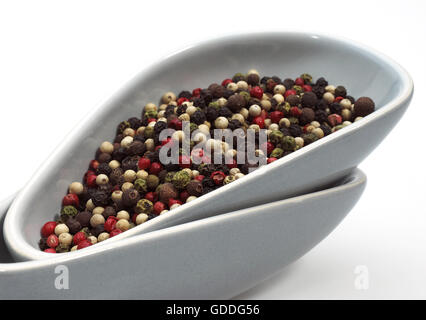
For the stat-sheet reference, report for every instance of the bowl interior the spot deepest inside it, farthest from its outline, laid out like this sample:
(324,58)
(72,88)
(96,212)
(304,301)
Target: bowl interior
(341,62)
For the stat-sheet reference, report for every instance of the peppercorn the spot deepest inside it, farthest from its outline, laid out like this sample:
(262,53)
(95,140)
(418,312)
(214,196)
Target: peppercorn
(84,218)
(308,138)
(69,211)
(276,136)
(181,179)
(96,230)
(73,225)
(144,206)
(288,144)
(295,130)
(307,116)
(130,197)
(307,78)
(277,153)
(236,102)
(167,192)
(152,181)
(195,188)
(363,107)
(309,99)
(340,91)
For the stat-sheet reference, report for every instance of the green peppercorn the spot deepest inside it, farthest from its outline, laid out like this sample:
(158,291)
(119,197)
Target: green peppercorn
(229,179)
(309,138)
(123,126)
(293,120)
(192,127)
(246,95)
(69,211)
(307,78)
(169,176)
(215,105)
(276,136)
(151,114)
(144,206)
(238,77)
(62,248)
(288,143)
(152,181)
(181,179)
(141,185)
(277,153)
(148,132)
(298,89)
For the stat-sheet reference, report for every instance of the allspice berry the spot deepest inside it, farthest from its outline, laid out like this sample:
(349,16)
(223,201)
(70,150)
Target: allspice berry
(363,107)
(84,218)
(307,116)
(195,188)
(167,192)
(309,99)
(236,102)
(130,197)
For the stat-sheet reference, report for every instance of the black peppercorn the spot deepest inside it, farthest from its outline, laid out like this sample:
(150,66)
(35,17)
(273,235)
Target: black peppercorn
(43,244)
(225,112)
(216,90)
(97,230)
(211,114)
(185,94)
(318,90)
(206,95)
(351,99)
(326,129)
(295,130)
(130,163)
(288,83)
(335,107)
(122,126)
(109,211)
(309,99)
(104,157)
(100,198)
(321,116)
(103,168)
(321,82)
(134,122)
(198,117)
(340,91)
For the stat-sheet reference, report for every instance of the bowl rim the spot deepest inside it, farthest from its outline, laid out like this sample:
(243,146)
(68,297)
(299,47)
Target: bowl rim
(356,178)
(13,232)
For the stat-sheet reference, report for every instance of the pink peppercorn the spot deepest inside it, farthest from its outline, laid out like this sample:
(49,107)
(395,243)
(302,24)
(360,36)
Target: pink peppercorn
(48,229)
(183,196)
(299,82)
(200,177)
(272,159)
(181,100)
(83,244)
(259,121)
(226,82)
(256,92)
(334,119)
(289,93)
(52,241)
(151,196)
(114,232)
(158,207)
(196,92)
(276,116)
(78,237)
(71,199)
(307,88)
(50,250)
(218,177)
(110,223)
(174,201)
(144,163)
(91,181)
(295,111)
(94,164)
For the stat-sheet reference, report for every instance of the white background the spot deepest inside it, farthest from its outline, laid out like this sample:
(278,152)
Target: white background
(58,59)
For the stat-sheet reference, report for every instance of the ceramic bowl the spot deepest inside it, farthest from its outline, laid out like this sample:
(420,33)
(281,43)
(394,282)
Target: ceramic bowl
(362,70)
(213,258)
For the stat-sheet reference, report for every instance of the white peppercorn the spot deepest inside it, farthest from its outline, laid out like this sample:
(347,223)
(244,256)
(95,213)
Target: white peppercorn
(76,188)
(97,219)
(141,218)
(61,228)
(106,147)
(65,238)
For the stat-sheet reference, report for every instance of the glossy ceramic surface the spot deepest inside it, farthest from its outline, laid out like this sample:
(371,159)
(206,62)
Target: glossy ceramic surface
(213,258)
(362,70)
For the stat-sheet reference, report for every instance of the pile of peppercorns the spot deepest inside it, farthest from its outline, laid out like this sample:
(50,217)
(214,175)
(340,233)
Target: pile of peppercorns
(126,184)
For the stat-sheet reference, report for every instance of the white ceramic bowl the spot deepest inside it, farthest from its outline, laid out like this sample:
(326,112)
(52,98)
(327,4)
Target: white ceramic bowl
(362,70)
(213,258)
